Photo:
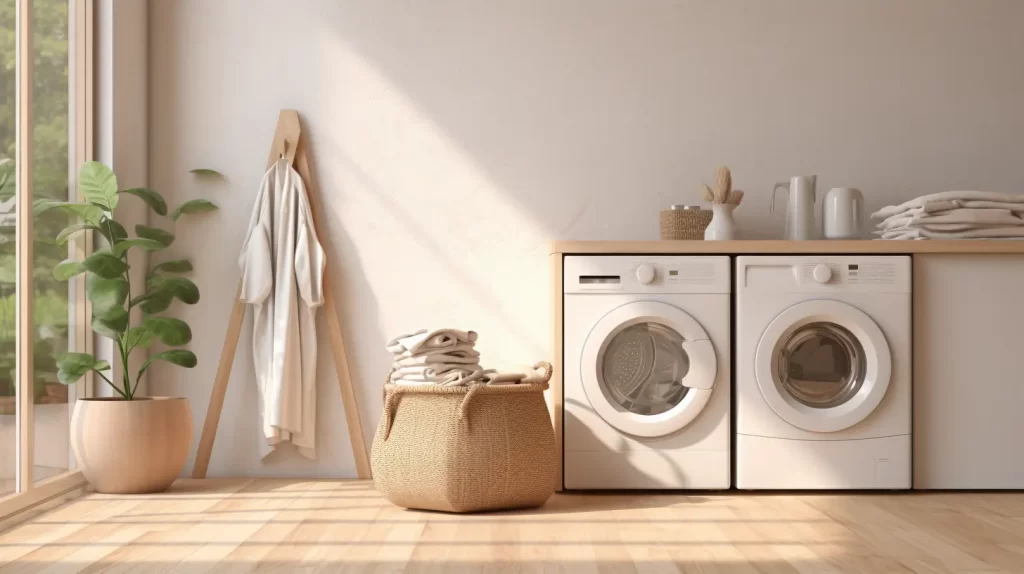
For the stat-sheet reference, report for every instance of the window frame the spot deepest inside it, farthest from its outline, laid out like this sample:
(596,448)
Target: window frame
(81,73)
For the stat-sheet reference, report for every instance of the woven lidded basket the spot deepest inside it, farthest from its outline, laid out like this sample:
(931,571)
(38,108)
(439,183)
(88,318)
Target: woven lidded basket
(684,223)
(465,449)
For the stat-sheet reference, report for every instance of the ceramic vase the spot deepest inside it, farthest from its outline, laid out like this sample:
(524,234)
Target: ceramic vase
(722,226)
(131,447)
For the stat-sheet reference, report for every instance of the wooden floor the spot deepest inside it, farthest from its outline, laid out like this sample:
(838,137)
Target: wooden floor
(330,526)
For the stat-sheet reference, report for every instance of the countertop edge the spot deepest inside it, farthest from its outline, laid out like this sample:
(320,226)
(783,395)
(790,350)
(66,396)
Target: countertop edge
(777,246)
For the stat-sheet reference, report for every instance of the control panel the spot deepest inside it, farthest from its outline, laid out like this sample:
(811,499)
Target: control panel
(646,274)
(815,273)
(833,272)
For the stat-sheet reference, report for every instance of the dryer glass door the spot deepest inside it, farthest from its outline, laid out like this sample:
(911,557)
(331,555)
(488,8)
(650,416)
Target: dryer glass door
(823,365)
(648,368)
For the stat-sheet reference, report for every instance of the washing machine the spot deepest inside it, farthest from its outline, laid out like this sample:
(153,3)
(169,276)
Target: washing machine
(646,372)
(823,372)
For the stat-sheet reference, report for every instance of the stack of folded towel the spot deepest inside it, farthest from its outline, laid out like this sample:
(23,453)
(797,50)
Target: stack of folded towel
(954,215)
(447,357)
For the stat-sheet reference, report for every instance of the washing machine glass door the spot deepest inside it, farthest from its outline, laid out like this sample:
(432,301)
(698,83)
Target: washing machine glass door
(823,365)
(648,368)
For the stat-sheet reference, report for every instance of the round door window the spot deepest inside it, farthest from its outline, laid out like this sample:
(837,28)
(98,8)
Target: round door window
(643,367)
(821,365)
(648,368)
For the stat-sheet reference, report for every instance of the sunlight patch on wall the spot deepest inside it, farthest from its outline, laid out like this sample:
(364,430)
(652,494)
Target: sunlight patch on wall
(438,241)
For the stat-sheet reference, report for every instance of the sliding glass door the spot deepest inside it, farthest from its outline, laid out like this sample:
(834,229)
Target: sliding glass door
(43,114)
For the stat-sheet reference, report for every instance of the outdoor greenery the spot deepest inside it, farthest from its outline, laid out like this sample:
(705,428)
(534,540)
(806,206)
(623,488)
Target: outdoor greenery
(49,166)
(108,285)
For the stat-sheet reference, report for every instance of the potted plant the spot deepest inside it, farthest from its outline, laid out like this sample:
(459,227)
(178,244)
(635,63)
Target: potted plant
(127,444)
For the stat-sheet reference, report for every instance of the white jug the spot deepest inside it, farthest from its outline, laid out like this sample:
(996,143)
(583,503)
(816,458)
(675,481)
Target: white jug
(800,207)
(843,213)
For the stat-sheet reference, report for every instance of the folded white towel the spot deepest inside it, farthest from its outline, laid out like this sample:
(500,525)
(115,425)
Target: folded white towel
(983,233)
(946,205)
(433,357)
(446,357)
(954,219)
(433,339)
(948,196)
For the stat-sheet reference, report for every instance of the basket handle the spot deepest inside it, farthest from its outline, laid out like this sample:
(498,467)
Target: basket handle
(543,366)
(389,401)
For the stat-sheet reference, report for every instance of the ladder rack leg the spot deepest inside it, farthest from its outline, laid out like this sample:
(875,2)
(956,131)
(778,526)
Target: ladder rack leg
(220,387)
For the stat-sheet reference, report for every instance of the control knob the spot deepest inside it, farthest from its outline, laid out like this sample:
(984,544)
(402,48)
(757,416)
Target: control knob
(645,273)
(822,273)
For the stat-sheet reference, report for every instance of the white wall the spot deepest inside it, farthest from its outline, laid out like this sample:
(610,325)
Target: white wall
(453,139)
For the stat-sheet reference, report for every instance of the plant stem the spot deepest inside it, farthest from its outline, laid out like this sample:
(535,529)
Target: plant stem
(112,385)
(121,341)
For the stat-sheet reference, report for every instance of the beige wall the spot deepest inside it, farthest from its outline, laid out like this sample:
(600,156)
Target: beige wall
(452,139)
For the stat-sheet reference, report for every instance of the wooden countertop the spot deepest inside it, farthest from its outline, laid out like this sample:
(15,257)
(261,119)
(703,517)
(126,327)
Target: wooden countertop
(776,246)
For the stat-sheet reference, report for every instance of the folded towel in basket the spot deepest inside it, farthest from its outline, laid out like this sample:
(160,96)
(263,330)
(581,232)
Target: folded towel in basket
(447,357)
(433,339)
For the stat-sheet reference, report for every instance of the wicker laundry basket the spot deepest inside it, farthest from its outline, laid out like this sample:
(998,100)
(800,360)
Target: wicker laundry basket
(465,449)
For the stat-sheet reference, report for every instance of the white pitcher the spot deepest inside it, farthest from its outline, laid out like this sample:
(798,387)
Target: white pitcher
(800,207)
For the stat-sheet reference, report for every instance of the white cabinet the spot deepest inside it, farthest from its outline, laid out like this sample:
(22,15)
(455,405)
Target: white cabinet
(969,371)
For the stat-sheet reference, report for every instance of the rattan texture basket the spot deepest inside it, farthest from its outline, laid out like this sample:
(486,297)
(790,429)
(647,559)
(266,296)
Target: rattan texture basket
(466,449)
(684,223)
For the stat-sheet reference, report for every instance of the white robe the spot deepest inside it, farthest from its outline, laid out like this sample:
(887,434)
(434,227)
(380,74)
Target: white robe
(282,277)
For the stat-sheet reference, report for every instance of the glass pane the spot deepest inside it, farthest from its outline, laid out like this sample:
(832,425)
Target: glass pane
(8,238)
(821,365)
(642,368)
(51,304)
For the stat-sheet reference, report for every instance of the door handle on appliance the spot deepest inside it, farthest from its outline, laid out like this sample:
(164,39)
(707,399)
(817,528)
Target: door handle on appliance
(703,365)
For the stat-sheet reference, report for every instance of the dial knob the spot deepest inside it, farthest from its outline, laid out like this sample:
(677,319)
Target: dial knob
(645,273)
(822,273)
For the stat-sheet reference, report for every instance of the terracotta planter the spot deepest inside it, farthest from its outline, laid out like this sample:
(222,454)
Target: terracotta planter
(131,447)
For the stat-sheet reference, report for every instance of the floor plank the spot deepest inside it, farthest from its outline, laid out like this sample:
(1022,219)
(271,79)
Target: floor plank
(288,525)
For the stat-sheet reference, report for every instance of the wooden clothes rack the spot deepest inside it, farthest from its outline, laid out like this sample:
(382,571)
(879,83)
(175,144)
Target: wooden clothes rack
(288,145)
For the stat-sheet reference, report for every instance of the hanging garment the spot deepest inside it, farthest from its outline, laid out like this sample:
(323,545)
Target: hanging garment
(282,278)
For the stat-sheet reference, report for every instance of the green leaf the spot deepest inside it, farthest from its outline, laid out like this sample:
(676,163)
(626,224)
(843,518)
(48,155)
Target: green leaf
(70,230)
(205,172)
(156,234)
(139,337)
(73,366)
(172,266)
(109,329)
(67,269)
(106,295)
(193,206)
(154,302)
(106,265)
(140,242)
(116,318)
(179,287)
(169,330)
(98,185)
(154,200)
(108,226)
(179,357)
(84,211)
